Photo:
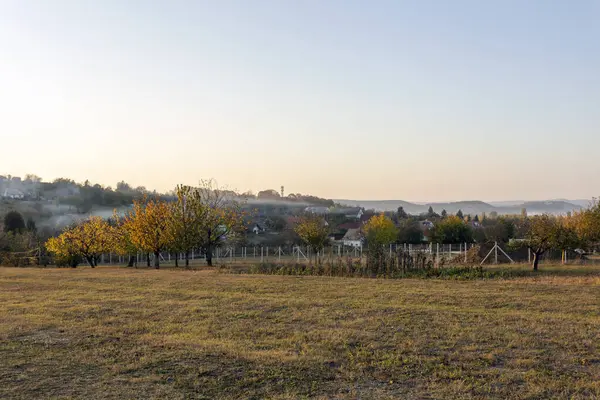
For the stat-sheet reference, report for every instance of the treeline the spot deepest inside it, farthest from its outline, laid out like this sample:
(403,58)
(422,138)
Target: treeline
(198,218)
(578,231)
(85,196)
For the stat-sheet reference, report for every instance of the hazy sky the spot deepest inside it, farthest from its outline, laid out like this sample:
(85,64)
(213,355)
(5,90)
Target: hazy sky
(415,100)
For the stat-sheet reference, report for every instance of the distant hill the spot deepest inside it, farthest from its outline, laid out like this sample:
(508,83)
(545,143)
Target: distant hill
(472,207)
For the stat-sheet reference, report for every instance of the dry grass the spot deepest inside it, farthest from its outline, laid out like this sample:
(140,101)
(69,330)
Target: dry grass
(119,333)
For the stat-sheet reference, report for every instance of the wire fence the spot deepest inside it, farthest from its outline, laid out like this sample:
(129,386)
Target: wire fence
(465,253)
(462,253)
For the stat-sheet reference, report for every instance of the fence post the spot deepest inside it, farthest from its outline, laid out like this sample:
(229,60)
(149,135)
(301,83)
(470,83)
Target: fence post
(261,254)
(496,252)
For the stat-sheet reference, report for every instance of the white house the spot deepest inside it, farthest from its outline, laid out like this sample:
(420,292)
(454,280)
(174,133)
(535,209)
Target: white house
(352,238)
(426,226)
(317,210)
(257,229)
(13,194)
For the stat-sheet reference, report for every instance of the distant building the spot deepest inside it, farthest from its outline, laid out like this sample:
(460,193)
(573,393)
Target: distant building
(352,238)
(257,229)
(350,225)
(13,194)
(317,210)
(350,213)
(426,226)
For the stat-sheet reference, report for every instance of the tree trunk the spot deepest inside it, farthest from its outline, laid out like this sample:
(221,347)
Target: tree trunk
(209,255)
(131,261)
(536,260)
(176,260)
(90,261)
(157,260)
(148,259)
(187,258)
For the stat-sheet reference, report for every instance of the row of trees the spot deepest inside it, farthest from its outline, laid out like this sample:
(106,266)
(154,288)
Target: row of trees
(577,231)
(199,218)
(540,233)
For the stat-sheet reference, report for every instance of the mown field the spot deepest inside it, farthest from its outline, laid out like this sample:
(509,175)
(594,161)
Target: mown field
(116,333)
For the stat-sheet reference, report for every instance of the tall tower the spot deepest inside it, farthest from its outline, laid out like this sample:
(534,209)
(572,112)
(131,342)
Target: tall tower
(282,191)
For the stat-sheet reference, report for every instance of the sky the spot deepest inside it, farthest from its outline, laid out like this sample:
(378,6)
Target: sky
(415,100)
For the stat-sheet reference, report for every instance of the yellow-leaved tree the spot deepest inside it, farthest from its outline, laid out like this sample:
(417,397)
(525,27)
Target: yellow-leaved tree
(380,231)
(313,231)
(64,250)
(147,226)
(586,223)
(122,243)
(187,219)
(87,240)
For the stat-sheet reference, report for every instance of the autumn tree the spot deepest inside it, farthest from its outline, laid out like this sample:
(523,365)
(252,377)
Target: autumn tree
(380,230)
(64,250)
(187,219)
(586,224)
(543,233)
(452,229)
(148,226)
(122,243)
(313,231)
(89,240)
(222,218)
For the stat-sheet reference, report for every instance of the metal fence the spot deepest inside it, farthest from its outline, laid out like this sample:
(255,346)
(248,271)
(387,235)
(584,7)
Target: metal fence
(490,253)
(295,253)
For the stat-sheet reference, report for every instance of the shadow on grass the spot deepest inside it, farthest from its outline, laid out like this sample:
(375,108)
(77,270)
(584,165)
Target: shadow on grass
(48,363)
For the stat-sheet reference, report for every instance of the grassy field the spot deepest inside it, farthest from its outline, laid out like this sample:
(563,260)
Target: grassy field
(124,333)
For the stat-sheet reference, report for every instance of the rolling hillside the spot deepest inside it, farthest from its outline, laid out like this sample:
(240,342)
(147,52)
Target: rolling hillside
(469,207)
